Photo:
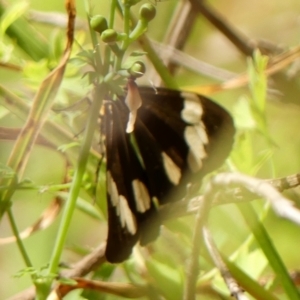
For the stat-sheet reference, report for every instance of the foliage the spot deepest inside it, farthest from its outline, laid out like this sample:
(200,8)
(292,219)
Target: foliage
(63,163)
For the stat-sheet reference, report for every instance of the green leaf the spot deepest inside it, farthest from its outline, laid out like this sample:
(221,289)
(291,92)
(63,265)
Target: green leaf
(243,117)
(65,147)
(250,285)
(13,12)
(84,206)
(242,155)
(253,262)
(22,33)
(269,250)
(167,279)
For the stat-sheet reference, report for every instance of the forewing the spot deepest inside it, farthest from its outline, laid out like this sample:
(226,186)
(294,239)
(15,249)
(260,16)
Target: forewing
(178,138)
(181,136)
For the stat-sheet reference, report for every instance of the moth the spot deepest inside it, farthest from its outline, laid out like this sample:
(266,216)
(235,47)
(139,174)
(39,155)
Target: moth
(158,141)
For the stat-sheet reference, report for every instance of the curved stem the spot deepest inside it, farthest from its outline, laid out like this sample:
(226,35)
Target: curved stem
(76,184)
(19,240)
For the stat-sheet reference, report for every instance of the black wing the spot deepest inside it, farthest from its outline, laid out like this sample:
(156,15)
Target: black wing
(178,138)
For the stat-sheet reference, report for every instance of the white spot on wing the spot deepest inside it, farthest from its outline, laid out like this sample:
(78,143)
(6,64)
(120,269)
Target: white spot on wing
(172,170)
(141,196)
(112,189)
(200,129)
(126,217)
(192,111)
(195,135)
(196,138)
(123,211)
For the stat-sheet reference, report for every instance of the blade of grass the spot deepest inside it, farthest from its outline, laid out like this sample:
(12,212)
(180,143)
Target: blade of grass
(269,250)
(21,32)
(246,282)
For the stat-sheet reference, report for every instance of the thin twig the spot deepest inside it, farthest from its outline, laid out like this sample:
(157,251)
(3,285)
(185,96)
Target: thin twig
(231,283)
(281,205)
(234,195)
(189,62)
(237,38)
(178,31)
(197,242)
(87,264)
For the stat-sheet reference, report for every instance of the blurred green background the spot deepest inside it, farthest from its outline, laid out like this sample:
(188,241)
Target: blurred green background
(275,21)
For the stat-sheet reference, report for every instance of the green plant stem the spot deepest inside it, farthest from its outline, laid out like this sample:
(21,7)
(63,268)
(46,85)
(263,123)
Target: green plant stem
(267,246)
(197,243)
(94,39)
(158,64)
(18,239)
(126,19)
(126,22)
(113,7)
(96,46)
(76,184)
(39,289)
(107,53)
(107,50)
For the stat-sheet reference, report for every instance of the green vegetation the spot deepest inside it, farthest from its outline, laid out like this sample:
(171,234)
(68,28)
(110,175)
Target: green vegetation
(51,91)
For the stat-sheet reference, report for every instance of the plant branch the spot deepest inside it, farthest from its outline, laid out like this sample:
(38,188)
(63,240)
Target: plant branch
(233,287)
(76,184)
